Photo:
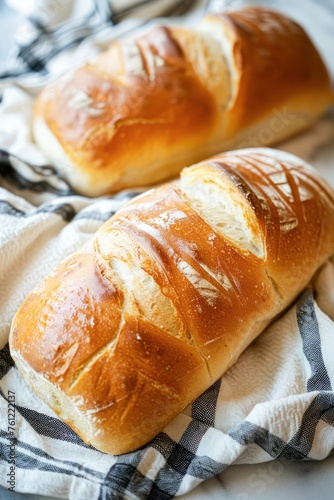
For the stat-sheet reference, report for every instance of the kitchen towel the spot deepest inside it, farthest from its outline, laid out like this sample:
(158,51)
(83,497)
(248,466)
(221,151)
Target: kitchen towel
(276,402)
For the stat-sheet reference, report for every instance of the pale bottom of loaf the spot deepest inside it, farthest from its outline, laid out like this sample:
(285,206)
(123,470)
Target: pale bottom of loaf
(61,404)
(283,123)
(85,425)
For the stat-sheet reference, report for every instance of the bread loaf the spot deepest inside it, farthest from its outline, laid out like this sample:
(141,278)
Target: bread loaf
(129,330)
(145,108)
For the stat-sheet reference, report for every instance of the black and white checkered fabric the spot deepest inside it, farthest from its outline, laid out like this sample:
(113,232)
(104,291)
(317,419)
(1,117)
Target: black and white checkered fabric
(48,31)
(277,402)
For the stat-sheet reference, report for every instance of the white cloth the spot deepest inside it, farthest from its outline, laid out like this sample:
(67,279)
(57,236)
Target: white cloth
(276,402)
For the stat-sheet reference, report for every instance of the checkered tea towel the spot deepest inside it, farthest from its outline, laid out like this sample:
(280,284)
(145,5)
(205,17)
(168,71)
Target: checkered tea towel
(276,402)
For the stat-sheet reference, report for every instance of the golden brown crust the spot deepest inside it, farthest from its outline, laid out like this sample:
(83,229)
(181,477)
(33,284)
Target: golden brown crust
(127,332)
(102,120)
(274,61)
(66,328)
(286,199)
(146,108)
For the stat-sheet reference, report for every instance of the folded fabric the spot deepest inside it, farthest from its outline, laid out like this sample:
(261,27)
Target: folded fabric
(59,33)
(277,402)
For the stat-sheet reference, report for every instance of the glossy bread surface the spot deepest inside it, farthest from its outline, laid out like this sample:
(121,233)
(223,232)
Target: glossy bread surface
(131,329)
(148,107)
